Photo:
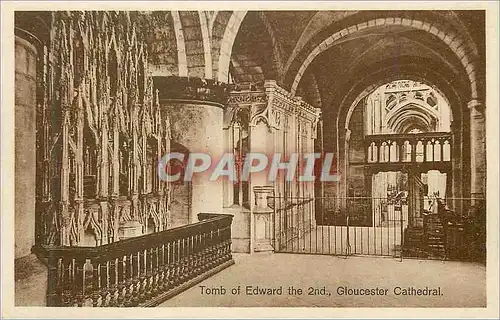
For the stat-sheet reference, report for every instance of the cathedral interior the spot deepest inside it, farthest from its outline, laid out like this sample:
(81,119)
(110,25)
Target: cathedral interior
(398,98)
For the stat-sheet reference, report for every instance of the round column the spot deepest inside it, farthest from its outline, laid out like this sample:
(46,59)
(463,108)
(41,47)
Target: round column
(196,111)
(25,145)
(455,177)
(477,149)
(198,127)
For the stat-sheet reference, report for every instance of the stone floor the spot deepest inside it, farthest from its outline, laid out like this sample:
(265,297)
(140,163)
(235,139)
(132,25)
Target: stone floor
(461,284)
(30,276)
(384,241)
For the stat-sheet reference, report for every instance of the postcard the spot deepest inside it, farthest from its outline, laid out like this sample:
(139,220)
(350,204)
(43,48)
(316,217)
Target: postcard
(249,159)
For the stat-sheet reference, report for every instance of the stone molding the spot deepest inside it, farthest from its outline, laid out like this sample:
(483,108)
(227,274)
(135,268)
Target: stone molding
(476,108)
(272,105)
(191,89)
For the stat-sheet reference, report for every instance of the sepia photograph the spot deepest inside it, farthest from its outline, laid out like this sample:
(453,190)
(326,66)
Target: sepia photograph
(208,156)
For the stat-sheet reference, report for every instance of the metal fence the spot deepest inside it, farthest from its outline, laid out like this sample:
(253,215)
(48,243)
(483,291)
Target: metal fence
(365,226)
(453,228)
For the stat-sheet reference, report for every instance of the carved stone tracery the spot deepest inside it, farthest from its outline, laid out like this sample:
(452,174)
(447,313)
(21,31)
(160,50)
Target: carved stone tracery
(291,128)
(101,130)
(271,105)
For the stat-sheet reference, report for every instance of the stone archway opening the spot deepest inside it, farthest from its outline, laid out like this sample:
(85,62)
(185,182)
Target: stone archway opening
(405,137)
(401,108)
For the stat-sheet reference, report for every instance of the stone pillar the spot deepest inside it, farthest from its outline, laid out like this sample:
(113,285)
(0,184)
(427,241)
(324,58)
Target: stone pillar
(262,219)
(261,142)
(477,149)
(25,145)
(455,177)
(196,112)
(346,174)
(260,212)
(198,127)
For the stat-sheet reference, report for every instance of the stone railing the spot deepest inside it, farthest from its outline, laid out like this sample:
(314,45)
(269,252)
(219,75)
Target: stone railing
(141,271)
(420,147)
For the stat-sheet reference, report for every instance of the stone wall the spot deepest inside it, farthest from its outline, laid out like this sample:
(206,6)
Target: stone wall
(240,230)
(25,146)
(356,155)
(30,276)
(160,37)
(198,127)
(180,205)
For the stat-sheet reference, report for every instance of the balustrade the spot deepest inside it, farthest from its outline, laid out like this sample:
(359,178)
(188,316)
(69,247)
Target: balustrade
(409,148)
(141,271)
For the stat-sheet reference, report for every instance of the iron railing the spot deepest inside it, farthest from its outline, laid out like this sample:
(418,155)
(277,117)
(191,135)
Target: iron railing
(339,226)
(455,229)
(140,271)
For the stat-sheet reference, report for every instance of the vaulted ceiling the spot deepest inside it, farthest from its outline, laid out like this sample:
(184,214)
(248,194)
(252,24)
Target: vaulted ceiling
(327,57)
(300,49)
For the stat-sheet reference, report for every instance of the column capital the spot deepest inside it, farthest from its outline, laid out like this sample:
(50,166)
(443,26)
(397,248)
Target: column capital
(475,104)
(193,90)
(476,107)
(261,194)
(478,148)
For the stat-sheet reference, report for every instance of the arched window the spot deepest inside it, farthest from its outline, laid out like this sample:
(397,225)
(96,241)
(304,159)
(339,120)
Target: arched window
(384,152)
(446,151)
(437,151)
(429,148)
(407,151)
(394,154)
(398,110)
(419,152)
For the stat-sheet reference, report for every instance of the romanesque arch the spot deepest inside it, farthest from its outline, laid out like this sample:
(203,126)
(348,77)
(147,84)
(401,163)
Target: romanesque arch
(464,49)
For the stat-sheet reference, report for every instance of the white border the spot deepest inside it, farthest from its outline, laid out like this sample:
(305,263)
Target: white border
(7,169)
